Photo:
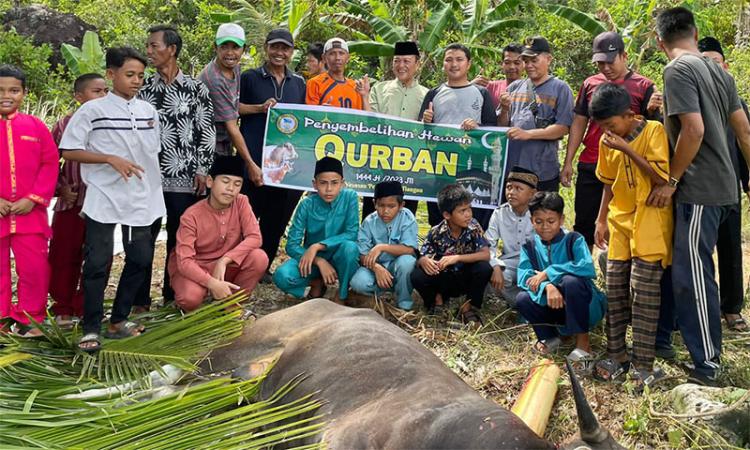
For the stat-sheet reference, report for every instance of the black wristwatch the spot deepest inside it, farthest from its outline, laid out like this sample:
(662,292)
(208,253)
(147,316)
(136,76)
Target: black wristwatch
(672,182)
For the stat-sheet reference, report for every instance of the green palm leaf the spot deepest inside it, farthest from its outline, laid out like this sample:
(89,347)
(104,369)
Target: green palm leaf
(584,21)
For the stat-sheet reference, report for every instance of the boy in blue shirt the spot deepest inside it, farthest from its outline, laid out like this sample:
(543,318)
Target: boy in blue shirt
(322,239)
(387,244)
(556,273)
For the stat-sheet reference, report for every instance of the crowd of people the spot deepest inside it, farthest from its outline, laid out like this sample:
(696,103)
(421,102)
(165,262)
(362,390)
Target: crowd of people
(658,187)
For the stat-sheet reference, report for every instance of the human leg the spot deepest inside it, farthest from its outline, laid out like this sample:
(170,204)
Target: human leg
(250,271)
(540,317)
(476,276)
(618,308)
(287,277)
(667,323)
(402,269)
(139,254)
(644,281)
(426,285)
(33,273)
(576,293)
(698,309)
(189,295)
(5,279)
(729,249)
(363,281)
(142,301)
(66,260)
(588,187)
(97,256)
(346,261)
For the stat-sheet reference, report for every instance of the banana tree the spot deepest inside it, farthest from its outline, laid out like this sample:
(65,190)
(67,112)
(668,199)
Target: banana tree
(637,33)
(87,59)
(469,22)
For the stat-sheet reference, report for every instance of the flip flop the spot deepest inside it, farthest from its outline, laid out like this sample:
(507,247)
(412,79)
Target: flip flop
(126,330)
(739,324)
(611,371)
(90,338)
(581,361)
(550,346)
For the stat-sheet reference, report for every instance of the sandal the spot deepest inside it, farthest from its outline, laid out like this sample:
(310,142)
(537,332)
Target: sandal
(126,330)
(737,324)
(610,371)
(26,331)
(547,347)
(581,361)
(90,338)
(471,317)
(644,378)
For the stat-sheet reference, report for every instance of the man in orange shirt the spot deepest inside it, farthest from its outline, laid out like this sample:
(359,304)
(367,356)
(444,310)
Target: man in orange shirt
(333,88)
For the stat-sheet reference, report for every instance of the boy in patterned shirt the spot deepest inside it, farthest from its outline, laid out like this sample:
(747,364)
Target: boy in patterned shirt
(454,258)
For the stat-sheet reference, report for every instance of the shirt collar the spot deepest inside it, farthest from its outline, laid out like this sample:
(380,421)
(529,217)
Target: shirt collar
(180,78)
(267,73)
(12,116)
(413,83)
(637,131)
(119,100)
(445,229)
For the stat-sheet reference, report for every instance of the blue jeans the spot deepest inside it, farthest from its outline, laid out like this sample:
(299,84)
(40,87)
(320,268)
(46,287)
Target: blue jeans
(364,280)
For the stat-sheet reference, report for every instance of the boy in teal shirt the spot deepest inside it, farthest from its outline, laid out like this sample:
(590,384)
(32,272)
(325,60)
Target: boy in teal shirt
(322,241)
(387,244)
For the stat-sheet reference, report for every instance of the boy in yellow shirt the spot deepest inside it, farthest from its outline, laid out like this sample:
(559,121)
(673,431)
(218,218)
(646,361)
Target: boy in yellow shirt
(633,158)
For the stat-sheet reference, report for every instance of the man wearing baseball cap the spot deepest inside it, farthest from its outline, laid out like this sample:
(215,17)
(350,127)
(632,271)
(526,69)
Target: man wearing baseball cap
(222,77)
(540,114)
(260,89)
(610,57)
(333,88)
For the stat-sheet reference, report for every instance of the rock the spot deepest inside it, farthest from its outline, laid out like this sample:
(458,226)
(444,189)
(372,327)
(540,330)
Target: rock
(45,25)
(733,425)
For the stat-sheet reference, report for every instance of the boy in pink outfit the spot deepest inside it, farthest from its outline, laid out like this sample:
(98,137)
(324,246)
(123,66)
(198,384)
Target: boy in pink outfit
(28,174)
(218,242)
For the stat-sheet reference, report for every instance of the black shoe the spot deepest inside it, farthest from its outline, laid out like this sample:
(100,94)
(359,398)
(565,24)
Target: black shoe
(667,353)
(703,379)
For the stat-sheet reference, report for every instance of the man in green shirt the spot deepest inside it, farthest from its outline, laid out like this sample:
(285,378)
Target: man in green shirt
(400,97)
(322,241)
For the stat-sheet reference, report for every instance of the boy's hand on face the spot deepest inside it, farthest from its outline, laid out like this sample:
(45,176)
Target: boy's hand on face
(306,262)
(534,282)
(554,297)
(327,272)
(383,277)
(21,207)
(4,207)
(220,288)
(601,235)
(469,124)
(447,261)
(124,167)
(497,281)
(429,265)
(614,141)
(372,258)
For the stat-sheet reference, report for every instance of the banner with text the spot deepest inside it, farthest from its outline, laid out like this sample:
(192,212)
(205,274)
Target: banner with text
(376,147)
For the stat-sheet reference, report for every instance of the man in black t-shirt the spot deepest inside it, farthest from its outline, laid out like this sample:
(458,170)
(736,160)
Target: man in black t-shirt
(700,101)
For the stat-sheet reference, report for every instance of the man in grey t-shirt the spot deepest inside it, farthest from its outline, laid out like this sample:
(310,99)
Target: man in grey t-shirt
(458,102)
(540,114)
(700,100)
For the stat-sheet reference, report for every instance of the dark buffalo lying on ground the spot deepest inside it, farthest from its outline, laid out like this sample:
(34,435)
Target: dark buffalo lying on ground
(381,387)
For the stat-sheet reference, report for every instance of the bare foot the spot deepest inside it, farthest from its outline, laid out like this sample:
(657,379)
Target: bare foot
(316,288)
(139,310)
